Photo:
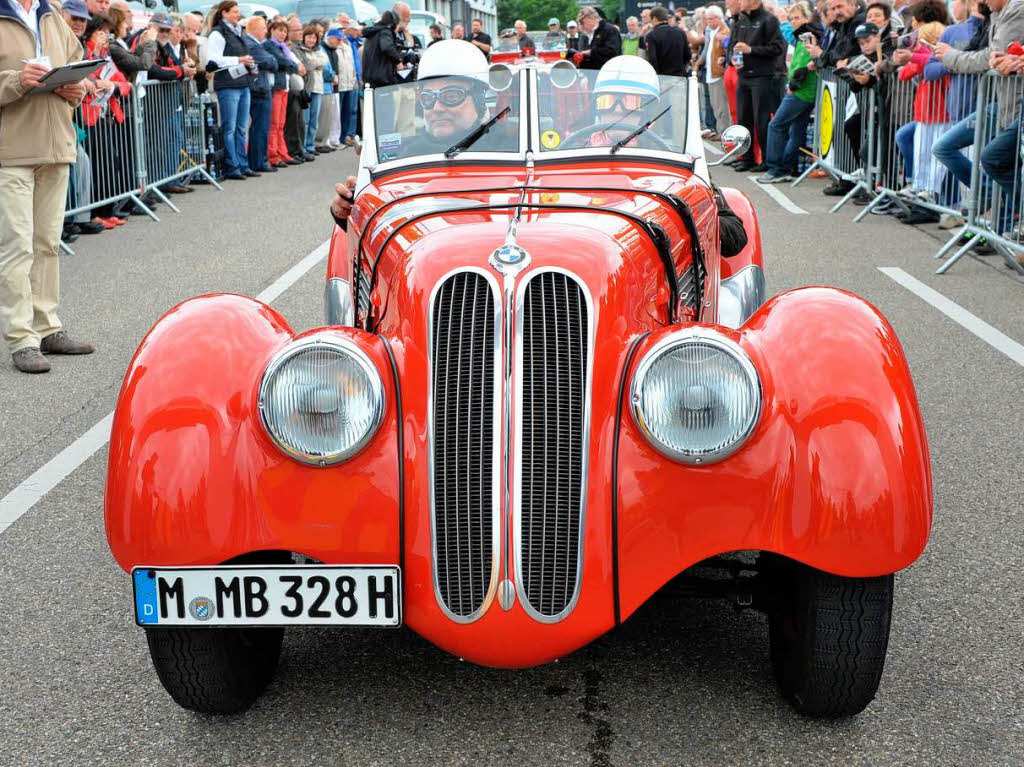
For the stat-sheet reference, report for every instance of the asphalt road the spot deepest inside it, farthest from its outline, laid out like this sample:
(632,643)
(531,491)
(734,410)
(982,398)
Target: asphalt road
(677,684)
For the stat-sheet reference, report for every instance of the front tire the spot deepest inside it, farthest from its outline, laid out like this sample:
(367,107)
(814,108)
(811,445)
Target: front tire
(215,670)
(829,635)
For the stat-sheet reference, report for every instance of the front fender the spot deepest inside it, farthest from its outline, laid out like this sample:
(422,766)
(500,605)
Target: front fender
(836,475)
(193,478)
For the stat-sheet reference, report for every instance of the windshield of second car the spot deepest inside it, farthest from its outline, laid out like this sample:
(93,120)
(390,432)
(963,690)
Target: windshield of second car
(588,111)
(447,114)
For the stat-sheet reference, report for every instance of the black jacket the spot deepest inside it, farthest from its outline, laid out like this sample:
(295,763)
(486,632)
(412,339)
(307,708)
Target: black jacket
(285,65)
(668,50)
(381,56)
(264,82)
(574,43)
(166,66)
(844,44)
(605,44)
(761,31)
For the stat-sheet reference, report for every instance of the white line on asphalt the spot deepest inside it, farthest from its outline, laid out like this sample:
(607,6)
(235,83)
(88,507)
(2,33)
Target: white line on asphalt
(994,338)
(712,148)
(779,197)
(57,469)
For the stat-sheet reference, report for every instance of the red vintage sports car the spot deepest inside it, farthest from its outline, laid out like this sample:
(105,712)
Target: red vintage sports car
(540,396)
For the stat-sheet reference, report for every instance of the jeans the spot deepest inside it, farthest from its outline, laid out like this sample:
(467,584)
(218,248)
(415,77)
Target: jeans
(234,119)
(312,117)
(905,143)
(787,132)
(349,101)
(259,132)
(1001,162)
(947,148)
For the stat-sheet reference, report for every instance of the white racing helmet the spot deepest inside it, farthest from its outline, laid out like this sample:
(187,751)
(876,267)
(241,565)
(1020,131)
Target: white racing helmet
(627,74)
(454,58)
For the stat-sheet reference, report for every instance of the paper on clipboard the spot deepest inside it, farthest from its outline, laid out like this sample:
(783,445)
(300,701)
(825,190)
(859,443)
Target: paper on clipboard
(72,73)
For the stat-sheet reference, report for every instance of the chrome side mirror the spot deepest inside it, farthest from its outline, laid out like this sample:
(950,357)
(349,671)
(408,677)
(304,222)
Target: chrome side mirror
(735,140)
(500,77)
(562,74)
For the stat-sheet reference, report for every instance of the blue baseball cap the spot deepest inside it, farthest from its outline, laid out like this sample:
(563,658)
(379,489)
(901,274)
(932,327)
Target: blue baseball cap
(76,9)
(334,32)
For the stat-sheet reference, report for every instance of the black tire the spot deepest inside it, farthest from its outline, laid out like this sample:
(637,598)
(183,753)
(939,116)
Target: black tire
(828,637)
(215,670)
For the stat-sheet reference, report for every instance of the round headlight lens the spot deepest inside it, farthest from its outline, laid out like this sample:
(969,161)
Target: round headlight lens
(321,400)
(697,398)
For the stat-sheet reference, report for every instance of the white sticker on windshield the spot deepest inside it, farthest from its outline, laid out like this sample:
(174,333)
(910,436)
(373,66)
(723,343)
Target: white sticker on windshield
(389,144)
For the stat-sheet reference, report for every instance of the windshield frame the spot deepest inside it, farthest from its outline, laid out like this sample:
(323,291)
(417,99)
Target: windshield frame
(467,156)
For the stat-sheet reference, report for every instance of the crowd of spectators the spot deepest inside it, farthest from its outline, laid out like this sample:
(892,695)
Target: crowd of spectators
(285,91)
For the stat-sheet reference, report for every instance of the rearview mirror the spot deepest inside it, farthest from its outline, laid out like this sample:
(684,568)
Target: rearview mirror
(500,77)
(562,74)
(735,140)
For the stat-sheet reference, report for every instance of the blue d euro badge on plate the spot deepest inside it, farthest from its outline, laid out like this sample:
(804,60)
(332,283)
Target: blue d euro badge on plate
(145,597)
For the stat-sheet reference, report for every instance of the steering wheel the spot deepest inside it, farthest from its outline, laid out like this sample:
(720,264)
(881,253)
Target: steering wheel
(585,133)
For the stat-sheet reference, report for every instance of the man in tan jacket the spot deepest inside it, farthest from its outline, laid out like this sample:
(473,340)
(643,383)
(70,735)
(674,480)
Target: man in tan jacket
(37,146)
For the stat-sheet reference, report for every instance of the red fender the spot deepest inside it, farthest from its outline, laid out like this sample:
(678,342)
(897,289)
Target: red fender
(837,473)
(193,478)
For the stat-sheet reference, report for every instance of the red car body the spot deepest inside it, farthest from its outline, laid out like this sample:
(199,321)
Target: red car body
(835,475)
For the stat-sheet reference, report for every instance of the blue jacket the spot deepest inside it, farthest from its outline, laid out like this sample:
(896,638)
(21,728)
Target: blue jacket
(285,66)
(960,99)
(267,65)
(355,42)
(329,73)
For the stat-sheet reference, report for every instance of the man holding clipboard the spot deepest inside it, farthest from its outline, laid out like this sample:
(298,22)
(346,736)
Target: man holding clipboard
(37,146)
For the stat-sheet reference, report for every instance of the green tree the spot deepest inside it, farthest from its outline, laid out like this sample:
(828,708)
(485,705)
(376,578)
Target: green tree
(536,12)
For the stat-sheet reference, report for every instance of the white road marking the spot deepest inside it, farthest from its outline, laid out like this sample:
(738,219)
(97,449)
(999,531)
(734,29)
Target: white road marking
(712,148)
(57,469)
(778,196)
(994,338)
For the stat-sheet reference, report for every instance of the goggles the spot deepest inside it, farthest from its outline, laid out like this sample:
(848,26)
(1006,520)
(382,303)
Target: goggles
(605,102)
(451,96)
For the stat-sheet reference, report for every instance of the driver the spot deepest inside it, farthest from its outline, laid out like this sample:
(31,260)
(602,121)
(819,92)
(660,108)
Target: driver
(451,90)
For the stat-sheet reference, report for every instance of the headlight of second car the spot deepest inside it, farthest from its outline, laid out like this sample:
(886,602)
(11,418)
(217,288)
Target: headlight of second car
(321,400)
(696,397)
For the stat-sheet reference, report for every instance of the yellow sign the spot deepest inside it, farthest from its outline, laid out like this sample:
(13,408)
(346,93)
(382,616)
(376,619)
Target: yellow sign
(549,139)
(826,120)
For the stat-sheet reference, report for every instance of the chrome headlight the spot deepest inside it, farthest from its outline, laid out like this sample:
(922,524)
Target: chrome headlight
(696,397)
(321,399)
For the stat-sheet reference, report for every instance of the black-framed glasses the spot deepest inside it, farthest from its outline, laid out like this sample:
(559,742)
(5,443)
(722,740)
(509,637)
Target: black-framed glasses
(451,96)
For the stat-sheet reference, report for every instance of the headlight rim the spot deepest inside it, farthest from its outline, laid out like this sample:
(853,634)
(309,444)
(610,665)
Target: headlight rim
(345,345)
(680,338)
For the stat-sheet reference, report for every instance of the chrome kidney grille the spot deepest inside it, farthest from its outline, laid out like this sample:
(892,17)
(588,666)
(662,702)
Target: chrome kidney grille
(553,440)
(464,351)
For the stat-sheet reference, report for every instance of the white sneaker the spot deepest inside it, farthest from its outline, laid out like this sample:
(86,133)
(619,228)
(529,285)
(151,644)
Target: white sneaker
(907,191)
(926,195)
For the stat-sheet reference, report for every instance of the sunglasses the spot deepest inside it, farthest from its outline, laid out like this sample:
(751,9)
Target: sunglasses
(606,102)
(451,96)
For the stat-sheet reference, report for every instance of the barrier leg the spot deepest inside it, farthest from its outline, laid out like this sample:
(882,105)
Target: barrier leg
(163,198)
(138,201)
(813,166)
(885,194)
(956,257)
(202,172)
(953,241)
(849,196)
(66,249)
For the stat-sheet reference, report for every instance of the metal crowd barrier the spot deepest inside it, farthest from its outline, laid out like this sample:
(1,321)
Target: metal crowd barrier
(843,126)
(901,120)
(135,143)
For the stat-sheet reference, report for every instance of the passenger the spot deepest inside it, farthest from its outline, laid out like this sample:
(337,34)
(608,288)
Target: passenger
(626,93)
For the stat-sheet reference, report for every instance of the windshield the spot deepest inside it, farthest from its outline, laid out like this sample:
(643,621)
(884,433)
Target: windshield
(580,112)
(507,45)
(446,114)
(548,41)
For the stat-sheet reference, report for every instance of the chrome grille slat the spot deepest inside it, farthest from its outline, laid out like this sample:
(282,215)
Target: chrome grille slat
(555,359)
(462,363)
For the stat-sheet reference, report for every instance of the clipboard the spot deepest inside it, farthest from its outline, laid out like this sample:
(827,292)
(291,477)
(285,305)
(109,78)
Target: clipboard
(72,73)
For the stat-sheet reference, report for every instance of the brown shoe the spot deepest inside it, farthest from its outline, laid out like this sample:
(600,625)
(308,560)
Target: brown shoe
(30,360)
(61,343)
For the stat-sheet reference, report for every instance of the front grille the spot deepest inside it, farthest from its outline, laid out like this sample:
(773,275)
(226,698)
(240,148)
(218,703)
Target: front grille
(364,294)
(462,380)
(555,333)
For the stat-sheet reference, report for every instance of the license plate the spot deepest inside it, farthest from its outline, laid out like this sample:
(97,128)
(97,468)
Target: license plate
(272,595)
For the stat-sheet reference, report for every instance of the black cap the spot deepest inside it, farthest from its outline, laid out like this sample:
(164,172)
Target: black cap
(865,30)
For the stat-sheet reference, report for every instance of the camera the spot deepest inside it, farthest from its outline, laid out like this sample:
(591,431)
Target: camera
(908,40)
(410,57)
(807,38)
